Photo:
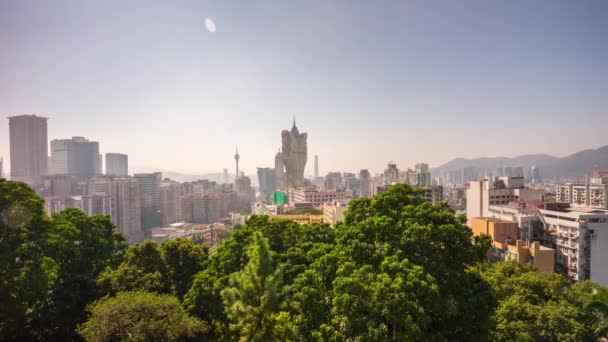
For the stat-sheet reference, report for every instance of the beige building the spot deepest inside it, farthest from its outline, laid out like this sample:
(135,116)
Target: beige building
(334,212)
(592,195)
(318,197)
(507,246)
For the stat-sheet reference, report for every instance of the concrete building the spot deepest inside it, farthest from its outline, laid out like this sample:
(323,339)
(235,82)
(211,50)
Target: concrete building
(318,197)
(266,180)
(579,235)
(28,148)
(333,181)
(507,246)
(501,190)
(203,208)
(365,183)
(433,194)
(149,191)
(2,168)
(592,195)
(170,210)
(245,193)
(279,172)
(391,174)
(294,153)
(97,204)
(127,208)
(352,183)
(334,212)
(117,164)
(316,174)
(77,156)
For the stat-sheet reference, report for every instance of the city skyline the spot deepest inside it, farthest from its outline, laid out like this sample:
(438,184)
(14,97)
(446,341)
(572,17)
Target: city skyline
(405,83)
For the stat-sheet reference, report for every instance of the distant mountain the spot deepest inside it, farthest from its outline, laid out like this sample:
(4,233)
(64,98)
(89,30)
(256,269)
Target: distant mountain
(571,166)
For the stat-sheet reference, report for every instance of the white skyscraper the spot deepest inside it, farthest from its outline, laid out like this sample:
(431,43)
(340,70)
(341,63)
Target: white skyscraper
(117,164)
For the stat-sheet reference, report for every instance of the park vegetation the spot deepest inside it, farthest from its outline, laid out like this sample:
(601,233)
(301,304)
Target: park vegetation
(396,269)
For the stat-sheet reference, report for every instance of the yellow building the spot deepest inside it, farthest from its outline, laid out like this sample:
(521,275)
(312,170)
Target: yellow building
(300,218)
(506,246)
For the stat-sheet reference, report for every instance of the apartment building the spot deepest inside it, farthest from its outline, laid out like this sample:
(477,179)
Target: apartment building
(318,197)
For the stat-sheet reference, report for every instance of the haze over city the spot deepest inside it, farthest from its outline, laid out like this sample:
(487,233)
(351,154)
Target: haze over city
(407,81)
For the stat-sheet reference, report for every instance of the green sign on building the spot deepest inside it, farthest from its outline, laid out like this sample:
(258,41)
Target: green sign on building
(279,198)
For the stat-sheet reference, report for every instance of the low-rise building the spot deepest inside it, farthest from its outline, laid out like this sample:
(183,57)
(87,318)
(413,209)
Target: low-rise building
(334,212)
(506,244)
(318,197)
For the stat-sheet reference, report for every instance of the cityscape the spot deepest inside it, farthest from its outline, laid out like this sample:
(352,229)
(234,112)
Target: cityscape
(420,193)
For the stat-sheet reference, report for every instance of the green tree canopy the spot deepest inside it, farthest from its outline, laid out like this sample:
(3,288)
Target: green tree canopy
(140,316)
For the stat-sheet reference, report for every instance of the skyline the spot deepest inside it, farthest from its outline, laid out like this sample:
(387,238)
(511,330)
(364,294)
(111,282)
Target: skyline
(416,85)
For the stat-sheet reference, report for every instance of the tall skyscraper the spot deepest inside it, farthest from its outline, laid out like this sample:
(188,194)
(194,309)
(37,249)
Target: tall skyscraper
(365,183)
(236,159)
(294,153)
(1,167)
(78,157)
(279,171)
(316,166)
(149,192)
(117,164)
(127,208)
(29,148)
(170,193)
(266,180)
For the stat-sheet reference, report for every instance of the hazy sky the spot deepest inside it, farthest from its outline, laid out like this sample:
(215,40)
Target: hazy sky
(370,81)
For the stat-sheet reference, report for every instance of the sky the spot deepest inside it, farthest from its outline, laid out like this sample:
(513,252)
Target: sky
(369,81)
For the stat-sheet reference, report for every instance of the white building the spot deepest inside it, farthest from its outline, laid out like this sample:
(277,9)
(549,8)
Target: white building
(318,197)
(334,212)
(578,235)
(502,190)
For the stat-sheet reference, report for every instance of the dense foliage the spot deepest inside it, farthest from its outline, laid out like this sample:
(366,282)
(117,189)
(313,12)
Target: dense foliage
(397,268)
(140,316)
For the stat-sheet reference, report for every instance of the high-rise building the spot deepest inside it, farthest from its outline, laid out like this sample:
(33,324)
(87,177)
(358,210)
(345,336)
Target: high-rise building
(333,181)
(170,193)
(535,175)
(77,156)
(279,171)
(365,183)
(316,166)
(117,164)
(318,197)
(28,148)
(245,193)
(127,208)
(149,192)
(391,174)
(352,183)
(266,180)
(294,153)
(1,167)
(97,204)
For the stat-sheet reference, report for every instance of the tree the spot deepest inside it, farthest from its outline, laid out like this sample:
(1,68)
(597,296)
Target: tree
(140,316)
(26,274)
(534,306)
(253,301)
(167,268)
(184,260)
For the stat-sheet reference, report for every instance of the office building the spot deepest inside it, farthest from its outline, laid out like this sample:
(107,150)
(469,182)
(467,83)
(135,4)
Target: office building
(266,180)
(506,244)
(316,174)
(294,155)
(245,193)
(117,164)
(149,192)
(77,156)
(352,183)
(28,148)
(333,181)
(279,171)
(1,168)
(58,185)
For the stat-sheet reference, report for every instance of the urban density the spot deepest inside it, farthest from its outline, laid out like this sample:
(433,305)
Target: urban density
(332,171)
